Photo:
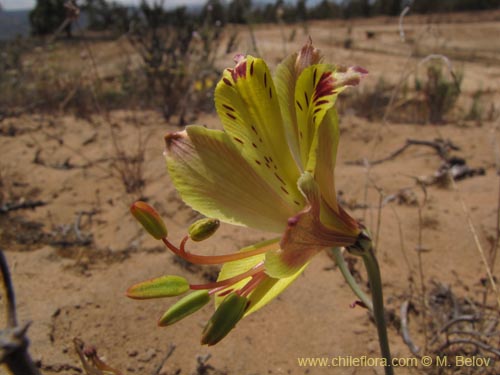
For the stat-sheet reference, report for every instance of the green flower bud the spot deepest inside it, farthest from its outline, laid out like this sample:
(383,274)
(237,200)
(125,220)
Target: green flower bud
(149,219)
(202,229)
(163,286)
(229,313)
(185,307)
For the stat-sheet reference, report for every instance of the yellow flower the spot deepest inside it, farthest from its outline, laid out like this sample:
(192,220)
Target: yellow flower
(271,168)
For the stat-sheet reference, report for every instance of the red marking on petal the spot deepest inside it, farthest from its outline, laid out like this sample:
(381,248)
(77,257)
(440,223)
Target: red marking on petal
(359,69)
(231,115)
(227,82)
(240,71)
(228,107)
(320,102)
(251,68)
(238,140)
(325,86)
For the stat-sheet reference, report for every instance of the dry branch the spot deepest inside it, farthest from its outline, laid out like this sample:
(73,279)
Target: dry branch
(13,341)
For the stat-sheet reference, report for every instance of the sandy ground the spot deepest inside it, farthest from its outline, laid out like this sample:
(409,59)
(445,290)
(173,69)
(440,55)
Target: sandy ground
(70,282)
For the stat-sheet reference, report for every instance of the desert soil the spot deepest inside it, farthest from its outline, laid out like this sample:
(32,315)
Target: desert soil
(73,258)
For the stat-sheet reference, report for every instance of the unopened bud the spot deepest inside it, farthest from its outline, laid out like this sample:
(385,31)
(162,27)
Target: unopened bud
(185,307)
(229,312)
(149,219)
(203,228)
(163,286)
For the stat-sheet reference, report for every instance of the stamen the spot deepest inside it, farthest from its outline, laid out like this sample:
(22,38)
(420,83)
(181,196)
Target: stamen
(252,284)
(215,259)
(232,280)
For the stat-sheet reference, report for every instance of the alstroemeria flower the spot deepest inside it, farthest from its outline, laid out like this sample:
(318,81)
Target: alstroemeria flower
(271,168)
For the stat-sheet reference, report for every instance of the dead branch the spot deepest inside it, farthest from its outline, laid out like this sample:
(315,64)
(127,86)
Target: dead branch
(164,360)
(404,329)
(29,204)
(13,341)
(476,343)
(441,146)
(458,319)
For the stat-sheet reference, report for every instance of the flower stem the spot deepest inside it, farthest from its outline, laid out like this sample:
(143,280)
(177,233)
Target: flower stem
(364,249)
(341,263)
(373,271)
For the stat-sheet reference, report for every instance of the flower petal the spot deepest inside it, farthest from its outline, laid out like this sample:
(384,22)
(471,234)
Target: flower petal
(324,156)
(307,234)
(315,94)
(268,288)
(286,78)
(247,103)
(214,179)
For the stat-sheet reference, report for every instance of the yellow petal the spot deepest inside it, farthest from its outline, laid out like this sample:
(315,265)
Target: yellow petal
(247,103)
(214,179)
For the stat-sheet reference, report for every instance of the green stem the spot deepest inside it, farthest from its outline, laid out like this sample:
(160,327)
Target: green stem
(341,263)
(373,271)
(377,307)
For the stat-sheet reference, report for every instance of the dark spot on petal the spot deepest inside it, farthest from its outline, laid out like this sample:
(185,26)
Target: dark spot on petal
(254,145)
(317,110)
(258,162)
(254,130)
(227,82)
(297,203)
(238,140)
(298,105)
(284,190)
(251,68)
(228,107)
(279,178)
(265,79)
(307,99)
(320,102)
(270,93)
(231,115)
